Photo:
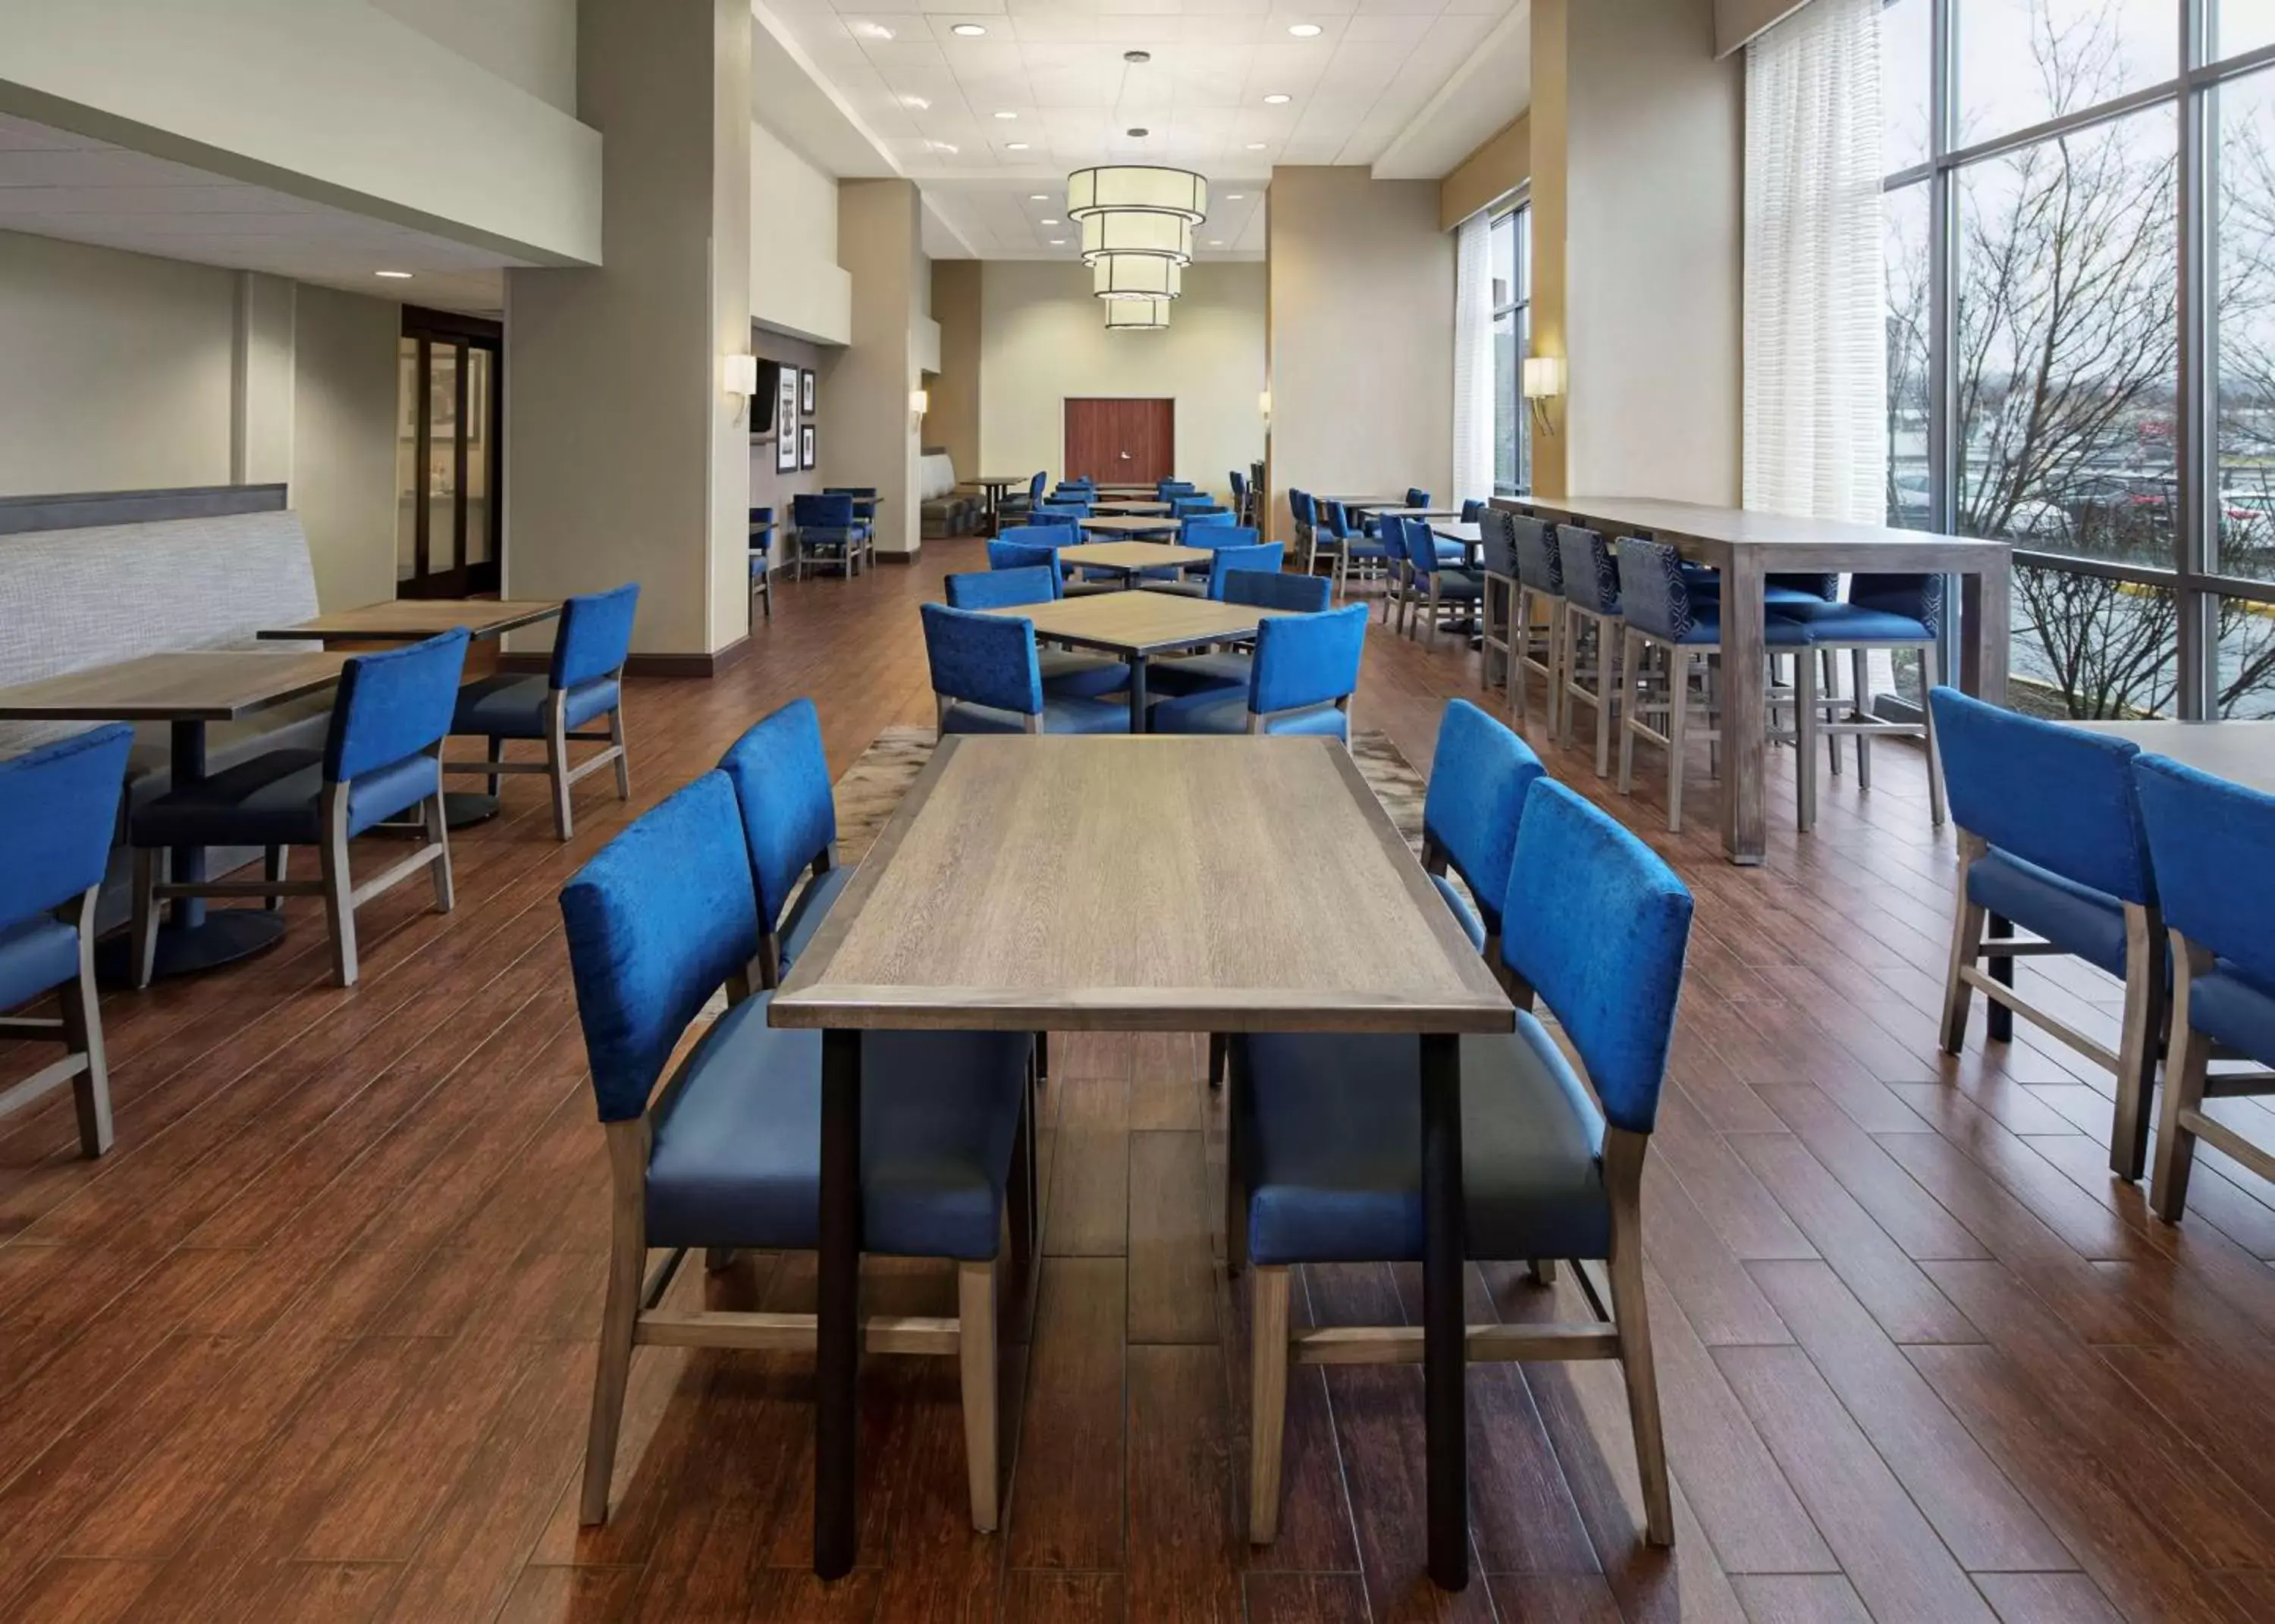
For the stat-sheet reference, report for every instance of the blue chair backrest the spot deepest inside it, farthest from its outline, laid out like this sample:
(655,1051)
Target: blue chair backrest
(1591,575)
(1497,542)
(987,659)
(1654,593)
(1239,483)
(1300,508)
(1597,925)
(1027,555)
(59,804)
(1477,780)
(2210,839)
(1420,542)
(1915,597)
(1214,530)
(1067,511)
(1825,586)
(781,777)
(595,635)
(1167,490)
(1266,555)
(828,511)
(2055,796)
(1304,594)
(1047,530)
(1338,521)
(656,923)
(1417,497)
(1035,489)
(997,588)
(1539,565)
(1304,659)
(1472,511)
(393,705)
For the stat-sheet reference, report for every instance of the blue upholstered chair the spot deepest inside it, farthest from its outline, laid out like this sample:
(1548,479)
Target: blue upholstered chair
(1352,546)
(1169,490)
(1013,553)
(827,528)
(1539,601)
(2210,839)
(59,805)
(1592,623)
(2051,839)
(1208,530)
(1272,589)
(1433,584)
(762,543)
(987,677)
(781,777)
(1065,675)
(584,683)
(1305,672)
(380,762)
(1231,548)
(1326,1153)
(727,1153)
(1417,497)
(1241,492)
(1472,511)
(1478,776)
(1262,585)
(1661,618)
(1884,614)
(1303,515)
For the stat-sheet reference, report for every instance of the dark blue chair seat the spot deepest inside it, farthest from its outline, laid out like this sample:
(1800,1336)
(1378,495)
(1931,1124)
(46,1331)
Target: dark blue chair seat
(1792,597)
(736,1155)
(1060,715)
(1201,674)
(810,908)
(1457,587)
(1358,548)
(1706,627)
(1225,710)
(2233,1009)
(1464,916)
(1851,623)
(509,707)
(36,955)
(2076,918)
(1332,1147)
(276,799)
(1082,676)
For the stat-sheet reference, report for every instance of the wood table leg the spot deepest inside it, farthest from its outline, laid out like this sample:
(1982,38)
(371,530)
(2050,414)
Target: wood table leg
(1987,613)
(836,1350)
(1745,716)
(1445,1357)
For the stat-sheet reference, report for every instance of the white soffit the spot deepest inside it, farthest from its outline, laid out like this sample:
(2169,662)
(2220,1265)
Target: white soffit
(789,96)
(1489,87)
(56,184)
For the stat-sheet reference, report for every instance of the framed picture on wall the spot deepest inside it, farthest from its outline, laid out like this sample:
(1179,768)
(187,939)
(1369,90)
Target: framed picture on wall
(786,422)
(805,445)
(806,391)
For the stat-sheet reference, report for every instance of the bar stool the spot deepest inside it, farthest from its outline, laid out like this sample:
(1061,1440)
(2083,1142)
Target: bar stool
(1539,591)
(1884,614)
(1592,604)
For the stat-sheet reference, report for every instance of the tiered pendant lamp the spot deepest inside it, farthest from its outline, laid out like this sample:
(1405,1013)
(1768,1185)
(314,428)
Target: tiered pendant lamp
(1136,275)
(1137,188)
(1137,222)
(1165,236)
(1136,315)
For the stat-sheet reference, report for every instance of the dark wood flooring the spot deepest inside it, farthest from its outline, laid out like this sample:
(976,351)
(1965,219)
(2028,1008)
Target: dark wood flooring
(314,1341)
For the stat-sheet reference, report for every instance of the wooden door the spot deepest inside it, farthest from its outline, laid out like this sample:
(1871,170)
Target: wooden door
(449,457)
(1120,441)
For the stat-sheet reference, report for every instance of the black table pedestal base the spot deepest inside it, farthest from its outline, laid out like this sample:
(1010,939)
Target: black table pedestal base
(464,808)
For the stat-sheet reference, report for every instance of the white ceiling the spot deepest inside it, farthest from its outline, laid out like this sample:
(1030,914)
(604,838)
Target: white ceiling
(54,183)
(1424,80)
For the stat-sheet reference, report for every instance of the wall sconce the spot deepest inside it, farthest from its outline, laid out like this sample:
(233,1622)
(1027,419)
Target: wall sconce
(1543,382)
(742,381)
(920,401)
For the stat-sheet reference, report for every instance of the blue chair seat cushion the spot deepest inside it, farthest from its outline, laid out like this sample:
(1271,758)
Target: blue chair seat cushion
(1331,1148)
(36,954)
(1794,597)
(736,1155)
(507,707)
(1356,549)
(1225,710)
(1082,676)
(807,909)
(1847,622)
(276,799)
(2226,1005)
(1060,715)
(1201,674)
(1706,628)
(1452,552)
(1465,916)
(1454,585)
(2075,918)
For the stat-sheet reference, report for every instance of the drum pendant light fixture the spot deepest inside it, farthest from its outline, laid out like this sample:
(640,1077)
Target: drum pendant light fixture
(1136,275)
(1137,222)
(1139,188)
(1127,231)
(1136,315)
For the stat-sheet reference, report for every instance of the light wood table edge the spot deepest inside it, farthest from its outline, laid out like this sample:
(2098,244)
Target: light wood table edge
(162,711)
(309,631)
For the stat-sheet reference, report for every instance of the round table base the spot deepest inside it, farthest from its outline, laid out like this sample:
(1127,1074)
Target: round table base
(226,935)
(464,808)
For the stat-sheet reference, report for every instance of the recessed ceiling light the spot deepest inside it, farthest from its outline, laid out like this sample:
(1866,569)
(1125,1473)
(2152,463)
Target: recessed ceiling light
(1015,147)
(1038,197)
(1304,31)
(1006,113)
(1275,98)
(917,103)
(394,276)
(1046,222)
(1256,145)
(1216,242)
(970,31)
(1058,242)
(875,31)
(1234,197)
(941,145)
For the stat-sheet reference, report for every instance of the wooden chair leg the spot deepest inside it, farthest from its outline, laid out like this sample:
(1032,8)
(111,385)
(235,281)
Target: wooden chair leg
(83,1035)
(1630,662)
(975,1346)
(627,1257)
(1267,1395)
(275,865)
(2142,1035)
(1860,675)
(616,742)
(1966,945)
(1929,676)
(339,889)
(438,833)
(556,767)
(1678,726)
(1630,1313)
(1806,719)
(1606,693)
(2189,1058)
(151,867)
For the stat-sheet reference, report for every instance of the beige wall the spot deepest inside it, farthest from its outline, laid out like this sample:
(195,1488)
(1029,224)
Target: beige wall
(1638,183)
(1362,335)
(952,416)
(531,44)
(797,285)
(867,434)
(128,372)
(1501,163)
(1043,338)
(625,456)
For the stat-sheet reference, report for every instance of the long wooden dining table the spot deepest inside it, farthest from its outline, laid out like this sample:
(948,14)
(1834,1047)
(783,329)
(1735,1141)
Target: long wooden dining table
(1153,884)
(1746,547)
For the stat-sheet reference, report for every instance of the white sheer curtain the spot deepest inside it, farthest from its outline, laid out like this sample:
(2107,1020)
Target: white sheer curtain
(1816,390)
(1473,360)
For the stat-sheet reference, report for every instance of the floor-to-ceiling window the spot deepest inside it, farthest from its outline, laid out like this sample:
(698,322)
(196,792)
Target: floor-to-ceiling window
(1512,319)
(2079,246)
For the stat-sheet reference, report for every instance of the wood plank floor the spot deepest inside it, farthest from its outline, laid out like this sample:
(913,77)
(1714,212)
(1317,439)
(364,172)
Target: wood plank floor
(314,1341)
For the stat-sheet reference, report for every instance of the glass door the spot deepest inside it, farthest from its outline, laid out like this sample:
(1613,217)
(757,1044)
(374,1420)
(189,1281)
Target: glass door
(448,523)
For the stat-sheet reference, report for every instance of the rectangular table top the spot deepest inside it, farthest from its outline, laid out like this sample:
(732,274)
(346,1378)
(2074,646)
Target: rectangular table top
(1470,535)
(1142,884)
(199,684)
(1139,623)
(1131,509)
(410,619)
(1366,501)
(1793,542)
(1416,512)
(1132,555)
(1131,525)
(2242,752)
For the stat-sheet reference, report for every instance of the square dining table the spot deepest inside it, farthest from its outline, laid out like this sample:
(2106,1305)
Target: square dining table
(185,689)
(1130,524)
(2242,752)
(1131,559)
(1153,884)
(1138,625)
